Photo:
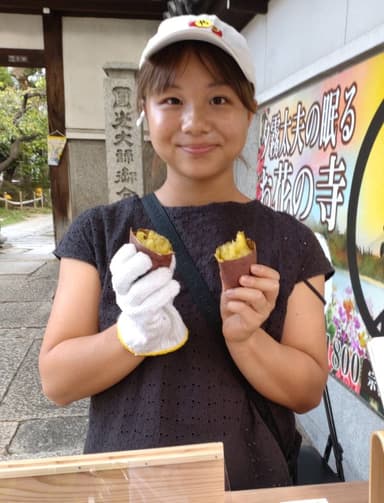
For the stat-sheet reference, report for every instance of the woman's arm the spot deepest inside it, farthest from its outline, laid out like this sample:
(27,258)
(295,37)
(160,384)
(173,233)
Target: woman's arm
(77,361)
(293,372)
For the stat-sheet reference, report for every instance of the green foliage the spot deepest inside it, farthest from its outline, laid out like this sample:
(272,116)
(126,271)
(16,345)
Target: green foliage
(5,78)
(36,78)
(337,243)
(30,169)
(370,265)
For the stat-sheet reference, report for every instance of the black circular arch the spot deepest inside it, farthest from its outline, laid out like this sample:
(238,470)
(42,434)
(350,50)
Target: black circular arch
(375,326)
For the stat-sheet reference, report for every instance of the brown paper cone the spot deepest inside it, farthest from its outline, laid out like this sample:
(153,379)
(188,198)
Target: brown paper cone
(231,270)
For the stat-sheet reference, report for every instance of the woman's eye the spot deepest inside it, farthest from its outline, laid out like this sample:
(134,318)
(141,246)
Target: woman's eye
(172,101)
(219,100)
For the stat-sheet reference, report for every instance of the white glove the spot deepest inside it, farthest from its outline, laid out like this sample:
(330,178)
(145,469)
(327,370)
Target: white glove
(149,323)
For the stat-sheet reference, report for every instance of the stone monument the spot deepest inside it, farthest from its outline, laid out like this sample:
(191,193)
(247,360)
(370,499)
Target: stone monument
(123,139)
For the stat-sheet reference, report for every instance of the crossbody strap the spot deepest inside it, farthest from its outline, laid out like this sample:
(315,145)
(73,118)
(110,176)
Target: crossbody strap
(201,294)
(333,442)
(209,307)
(184,264)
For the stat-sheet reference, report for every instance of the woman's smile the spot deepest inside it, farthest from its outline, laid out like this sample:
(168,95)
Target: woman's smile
(198,149)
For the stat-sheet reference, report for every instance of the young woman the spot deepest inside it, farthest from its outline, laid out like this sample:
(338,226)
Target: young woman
(134,340)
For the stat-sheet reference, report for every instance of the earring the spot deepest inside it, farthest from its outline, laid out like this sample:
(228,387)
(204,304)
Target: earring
(140,118)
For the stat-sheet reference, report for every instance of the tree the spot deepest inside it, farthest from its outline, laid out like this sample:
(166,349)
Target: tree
(23,129)
(5,78)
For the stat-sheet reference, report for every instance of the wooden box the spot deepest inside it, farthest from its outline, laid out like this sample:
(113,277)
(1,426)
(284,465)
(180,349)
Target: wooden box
(190,473)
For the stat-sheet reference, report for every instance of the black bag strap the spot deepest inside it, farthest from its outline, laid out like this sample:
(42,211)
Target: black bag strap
(185,265)
(201,295)
(332,442)
(209,307)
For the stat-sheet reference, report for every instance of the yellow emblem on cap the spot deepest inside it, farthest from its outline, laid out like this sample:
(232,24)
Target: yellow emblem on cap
(203,23)
(207,24)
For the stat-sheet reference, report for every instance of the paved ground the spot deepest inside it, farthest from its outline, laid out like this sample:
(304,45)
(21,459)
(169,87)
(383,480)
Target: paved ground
(30,426)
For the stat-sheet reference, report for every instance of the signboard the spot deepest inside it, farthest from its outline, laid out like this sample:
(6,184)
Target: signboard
(321,159)
(56,144)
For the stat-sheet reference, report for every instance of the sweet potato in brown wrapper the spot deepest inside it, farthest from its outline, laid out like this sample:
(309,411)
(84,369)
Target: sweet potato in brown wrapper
(153,244)
(235,259)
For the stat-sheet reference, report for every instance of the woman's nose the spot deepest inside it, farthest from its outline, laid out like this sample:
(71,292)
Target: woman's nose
(195,120)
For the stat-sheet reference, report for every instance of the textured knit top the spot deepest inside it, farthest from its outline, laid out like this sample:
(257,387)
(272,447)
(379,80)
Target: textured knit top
(196,394)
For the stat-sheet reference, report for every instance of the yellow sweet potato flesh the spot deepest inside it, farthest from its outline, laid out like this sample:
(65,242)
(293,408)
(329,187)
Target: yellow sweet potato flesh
(233,249)
(154,241)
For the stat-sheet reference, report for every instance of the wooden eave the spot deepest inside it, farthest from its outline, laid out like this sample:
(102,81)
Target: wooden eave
(239,13)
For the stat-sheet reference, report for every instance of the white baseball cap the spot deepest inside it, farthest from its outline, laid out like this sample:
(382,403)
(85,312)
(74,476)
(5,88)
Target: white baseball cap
(205,28)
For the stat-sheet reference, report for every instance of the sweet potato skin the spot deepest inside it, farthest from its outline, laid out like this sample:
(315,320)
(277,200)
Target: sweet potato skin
(231,270)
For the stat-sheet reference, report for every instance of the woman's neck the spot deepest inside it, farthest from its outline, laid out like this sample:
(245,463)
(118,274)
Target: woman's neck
(171,194)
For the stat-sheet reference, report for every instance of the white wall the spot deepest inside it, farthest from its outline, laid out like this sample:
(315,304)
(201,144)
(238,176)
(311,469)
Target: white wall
(362,17)
(21,31)
(298,39)
(294,42)
(89,43)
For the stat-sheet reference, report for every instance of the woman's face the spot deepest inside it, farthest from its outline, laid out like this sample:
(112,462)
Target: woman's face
(198,125)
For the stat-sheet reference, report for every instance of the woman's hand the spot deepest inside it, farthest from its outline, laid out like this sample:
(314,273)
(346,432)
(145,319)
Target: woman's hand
(245,308)
(293,370)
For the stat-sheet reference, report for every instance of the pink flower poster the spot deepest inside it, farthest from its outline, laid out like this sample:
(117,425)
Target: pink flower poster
(321,159)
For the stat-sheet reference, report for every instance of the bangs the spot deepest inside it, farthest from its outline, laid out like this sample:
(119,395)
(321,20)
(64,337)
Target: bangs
(160,71)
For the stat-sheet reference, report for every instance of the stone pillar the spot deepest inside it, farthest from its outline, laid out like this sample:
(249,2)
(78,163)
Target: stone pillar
(123,139)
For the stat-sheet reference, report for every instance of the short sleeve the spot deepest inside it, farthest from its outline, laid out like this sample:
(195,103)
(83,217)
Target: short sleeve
(314,261)
(77,242)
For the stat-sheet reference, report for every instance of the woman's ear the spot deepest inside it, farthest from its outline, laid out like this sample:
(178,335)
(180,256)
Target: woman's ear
(252,114)
(141,117)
